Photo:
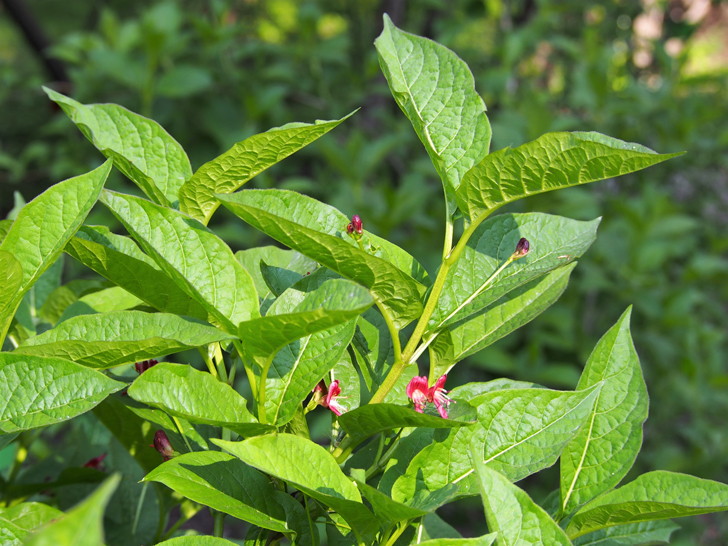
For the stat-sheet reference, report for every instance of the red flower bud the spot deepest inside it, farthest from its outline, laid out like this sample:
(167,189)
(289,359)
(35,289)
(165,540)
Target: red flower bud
(144,365)
(161,444)
(356,224)
(96,463)
(522,248)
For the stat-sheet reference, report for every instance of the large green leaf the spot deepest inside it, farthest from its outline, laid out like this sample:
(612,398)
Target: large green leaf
(12,272)
(119,259)
(310,468)
(602,453)
(101,301)
(224,483)
(246,159)
(519,432)
(551,162)
(68,294)
(139,146)
(36,392)
(45,225)
(313,229)
(512,514)
(373,350)
(386,509)
(368,420)
(633,534)
(192,255)
(16,522)
(121,337)
(436,90)
(652,496)
(554,242)
(296,369)
(197,396)
(83,525)
(301,313)
(485,540)
(196,541)
(499,319)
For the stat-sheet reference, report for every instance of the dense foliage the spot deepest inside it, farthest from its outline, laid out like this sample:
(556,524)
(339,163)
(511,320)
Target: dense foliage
(340,319)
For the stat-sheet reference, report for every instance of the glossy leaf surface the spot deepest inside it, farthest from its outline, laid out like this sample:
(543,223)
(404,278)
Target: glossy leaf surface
(551,162)
(199,262)
(140,147)
(19,520)
(121,337)
(37,392)
(197,396)
(229,171)
(436,90)
(602,453)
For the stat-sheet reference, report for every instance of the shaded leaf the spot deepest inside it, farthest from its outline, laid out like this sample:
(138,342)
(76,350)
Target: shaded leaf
(12,272)
(276,257)
(649,532)
(224,483)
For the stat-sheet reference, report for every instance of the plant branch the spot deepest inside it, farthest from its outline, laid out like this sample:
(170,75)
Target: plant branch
(248,369)
(219,527)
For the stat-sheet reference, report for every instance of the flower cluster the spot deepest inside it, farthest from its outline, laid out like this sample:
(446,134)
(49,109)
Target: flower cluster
(355,227)
(421,394)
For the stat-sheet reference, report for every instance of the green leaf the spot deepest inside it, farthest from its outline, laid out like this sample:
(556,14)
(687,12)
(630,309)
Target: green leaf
(512,514)
(16,522)
(555,242)
(65,295)
(37,392)
(302,313)
(45,225)
(652,496)
(296,369)
(12,272)
(44,286)
(121,337)
(182,391)
(4,228)
(201,264)
(196,541)
(310,468)
(224,483)
(602,453)
(373,350)
(649,532)
(436,91)
(368,420)
(499,319)
(278,279)
(119,259)
(386,509)
(243,161)
(485,540)
(315,230)
(140,147)
(83,525)
(348,377)
(519,432)
(551,162)
(273,256)
(101,301)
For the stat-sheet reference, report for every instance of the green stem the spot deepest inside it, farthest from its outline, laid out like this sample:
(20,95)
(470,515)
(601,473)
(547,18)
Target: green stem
(218,530)
(449,231)
(248,369)
(179,429)
(261,391)
(208,361)
(394,334)
(400,529)
(139,508)
(308,514)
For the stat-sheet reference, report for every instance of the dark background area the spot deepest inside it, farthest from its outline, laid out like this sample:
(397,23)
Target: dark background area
(651,71)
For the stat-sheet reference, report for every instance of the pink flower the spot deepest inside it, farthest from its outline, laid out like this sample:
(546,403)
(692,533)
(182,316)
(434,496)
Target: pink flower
(327,397)
(439,397)
(420,394)
(355,227)
(417,392)
(96,463)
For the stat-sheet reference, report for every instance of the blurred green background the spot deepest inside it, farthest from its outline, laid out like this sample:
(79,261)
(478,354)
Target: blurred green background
(650,71)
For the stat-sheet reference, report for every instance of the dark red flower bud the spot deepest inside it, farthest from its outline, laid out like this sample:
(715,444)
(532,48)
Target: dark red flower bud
(356,224)
(143,366)
(161,444)
(521,248)
(96,463)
